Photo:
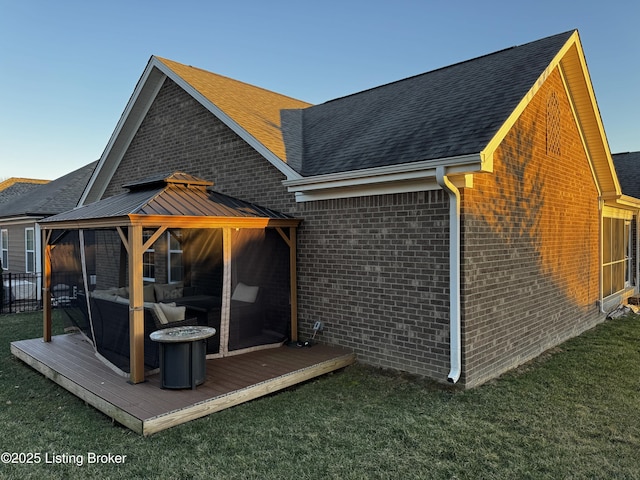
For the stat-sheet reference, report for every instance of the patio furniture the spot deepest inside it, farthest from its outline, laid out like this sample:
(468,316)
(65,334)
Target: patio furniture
(183,355)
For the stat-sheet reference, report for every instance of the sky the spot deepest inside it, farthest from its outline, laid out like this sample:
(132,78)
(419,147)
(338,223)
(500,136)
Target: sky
(68,68)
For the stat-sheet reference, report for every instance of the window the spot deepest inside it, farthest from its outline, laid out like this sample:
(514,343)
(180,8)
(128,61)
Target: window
(29,250)
(4,246)
(148,259)
(176,270)
(616,255)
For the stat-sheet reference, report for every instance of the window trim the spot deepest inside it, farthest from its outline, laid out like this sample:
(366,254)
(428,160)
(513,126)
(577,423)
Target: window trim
(4,248)
(170,252)
(27,251)
(622,246)
(146,235)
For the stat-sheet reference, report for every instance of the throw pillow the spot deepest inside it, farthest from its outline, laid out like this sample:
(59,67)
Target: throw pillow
(159,313)
(245,293)
(172,312)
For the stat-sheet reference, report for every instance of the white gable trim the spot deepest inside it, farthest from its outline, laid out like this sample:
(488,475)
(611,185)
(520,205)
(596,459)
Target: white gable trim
(141,100)
(137,108)
(229,122)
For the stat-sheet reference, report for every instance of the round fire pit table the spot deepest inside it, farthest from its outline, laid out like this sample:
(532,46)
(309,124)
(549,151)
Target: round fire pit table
(183,355)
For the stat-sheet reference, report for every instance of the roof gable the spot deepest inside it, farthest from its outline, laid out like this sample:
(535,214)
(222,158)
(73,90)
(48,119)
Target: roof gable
(452,111)
(483,98)
(253,108)
(251,112)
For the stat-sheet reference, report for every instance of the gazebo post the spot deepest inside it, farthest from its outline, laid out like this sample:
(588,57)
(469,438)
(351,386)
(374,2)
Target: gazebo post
(293,283)
(46,287)
(136,309)
(226,290)
(291,242)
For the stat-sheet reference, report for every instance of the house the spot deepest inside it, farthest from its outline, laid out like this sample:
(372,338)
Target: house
(24,203)
(10,189)
(15,186)
(453,225)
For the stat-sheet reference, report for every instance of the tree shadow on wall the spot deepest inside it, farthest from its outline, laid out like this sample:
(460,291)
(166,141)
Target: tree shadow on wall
(514,209)
(539,217)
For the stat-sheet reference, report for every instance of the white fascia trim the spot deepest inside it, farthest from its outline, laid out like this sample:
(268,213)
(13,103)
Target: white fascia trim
(12,221)
(276,161)
(406,177)
(621,201)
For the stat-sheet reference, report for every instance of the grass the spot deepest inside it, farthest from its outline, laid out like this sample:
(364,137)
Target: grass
(574,413)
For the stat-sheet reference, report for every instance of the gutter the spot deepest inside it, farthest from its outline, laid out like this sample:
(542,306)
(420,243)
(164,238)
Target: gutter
(405,177)
(454,274)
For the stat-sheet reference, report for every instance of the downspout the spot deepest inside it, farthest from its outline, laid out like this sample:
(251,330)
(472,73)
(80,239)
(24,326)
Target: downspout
(600,253)
(455,347)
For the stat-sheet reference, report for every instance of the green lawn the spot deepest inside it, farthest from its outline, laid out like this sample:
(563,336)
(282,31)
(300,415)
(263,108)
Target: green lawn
(574,413)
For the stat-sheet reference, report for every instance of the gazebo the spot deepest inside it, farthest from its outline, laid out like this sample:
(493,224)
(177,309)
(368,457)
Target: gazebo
(171,245)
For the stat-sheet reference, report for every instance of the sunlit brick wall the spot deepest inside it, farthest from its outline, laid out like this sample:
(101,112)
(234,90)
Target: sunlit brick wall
(531,240)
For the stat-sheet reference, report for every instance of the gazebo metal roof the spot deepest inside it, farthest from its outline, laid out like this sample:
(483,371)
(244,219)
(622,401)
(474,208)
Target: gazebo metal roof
(178,199)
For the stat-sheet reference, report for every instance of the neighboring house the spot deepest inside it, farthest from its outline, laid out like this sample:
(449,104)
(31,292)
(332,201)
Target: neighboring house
(14,186)
(32,201)
(455,224)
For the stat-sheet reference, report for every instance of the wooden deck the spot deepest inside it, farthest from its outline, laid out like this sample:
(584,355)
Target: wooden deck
(145,408)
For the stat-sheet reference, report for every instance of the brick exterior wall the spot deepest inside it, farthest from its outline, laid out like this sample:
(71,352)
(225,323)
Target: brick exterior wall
(530,249)
(375,271)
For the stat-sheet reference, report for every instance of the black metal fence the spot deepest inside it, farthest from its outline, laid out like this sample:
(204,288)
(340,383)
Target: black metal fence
(20,292)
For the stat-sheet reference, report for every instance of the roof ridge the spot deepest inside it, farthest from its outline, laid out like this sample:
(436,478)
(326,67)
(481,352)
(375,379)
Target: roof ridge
(445,67)
(13,180)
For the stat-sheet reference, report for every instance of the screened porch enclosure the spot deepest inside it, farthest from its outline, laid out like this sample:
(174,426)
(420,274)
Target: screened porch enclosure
(182,255)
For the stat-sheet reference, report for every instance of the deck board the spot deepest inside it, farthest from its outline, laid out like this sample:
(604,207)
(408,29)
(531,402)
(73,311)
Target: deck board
(146,408)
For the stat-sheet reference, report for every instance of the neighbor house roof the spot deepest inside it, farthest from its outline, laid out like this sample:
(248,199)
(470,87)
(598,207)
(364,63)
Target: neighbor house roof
(50,198)
(628,170)
(15,186)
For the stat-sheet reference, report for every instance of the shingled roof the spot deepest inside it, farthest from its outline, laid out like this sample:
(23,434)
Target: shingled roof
(391,138)
(255,109)
(15,186)
(628,169)
(50,198)
(444,113)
